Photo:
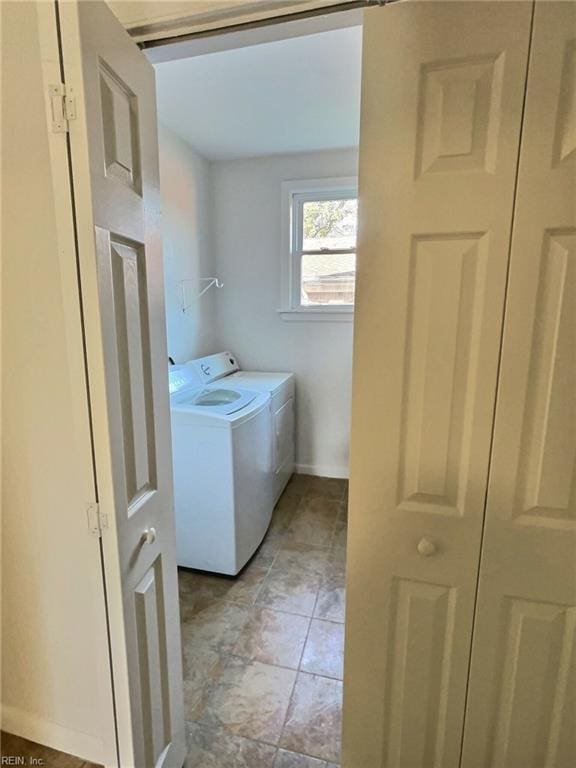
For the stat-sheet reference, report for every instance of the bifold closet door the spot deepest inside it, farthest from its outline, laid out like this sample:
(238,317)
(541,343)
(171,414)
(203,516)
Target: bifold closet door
(522,694)
(114,150)
(443,87)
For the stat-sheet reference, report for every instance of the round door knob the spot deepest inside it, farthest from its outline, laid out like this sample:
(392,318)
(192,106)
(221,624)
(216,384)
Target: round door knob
(149,536)
(426,547)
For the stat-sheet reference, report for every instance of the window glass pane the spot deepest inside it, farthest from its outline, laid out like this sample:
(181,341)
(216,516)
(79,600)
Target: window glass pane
(328,279)
(329,224)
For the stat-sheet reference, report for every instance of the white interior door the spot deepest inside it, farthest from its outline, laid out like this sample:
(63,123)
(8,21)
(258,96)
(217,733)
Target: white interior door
(443,86)
(115,177)
(522,693)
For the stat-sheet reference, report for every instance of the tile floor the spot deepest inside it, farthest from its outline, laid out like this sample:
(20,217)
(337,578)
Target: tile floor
(263,652)
(13,749)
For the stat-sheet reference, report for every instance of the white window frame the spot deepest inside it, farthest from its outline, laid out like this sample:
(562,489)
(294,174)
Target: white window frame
(294,195)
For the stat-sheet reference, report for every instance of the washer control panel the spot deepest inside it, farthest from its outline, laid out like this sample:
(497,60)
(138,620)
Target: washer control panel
(214,367)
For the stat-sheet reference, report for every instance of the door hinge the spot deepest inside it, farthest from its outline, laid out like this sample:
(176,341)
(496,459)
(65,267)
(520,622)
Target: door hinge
(97,520)
(63,103)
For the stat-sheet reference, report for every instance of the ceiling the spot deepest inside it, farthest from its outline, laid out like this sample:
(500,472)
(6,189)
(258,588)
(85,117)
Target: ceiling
(294,95)
(136,12)
(154,19)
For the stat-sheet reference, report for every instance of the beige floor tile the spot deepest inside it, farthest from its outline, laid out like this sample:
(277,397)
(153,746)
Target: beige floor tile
(13,748)
(195,699)
(285,507)
(199,590)
(285,759)
(314,521)
(324,650)
(207,635)
(250,700)
(262,616)
(294,579)
(337,555)
(340,534)
(198,659)
(273,637)
(245,587)
(271,545)
(331,603)
(218,626)
(215,748)
(328,487)
(314,719)
(202,669)
(291,590)
(306,558)
(261,560)
(279,525)
(297,485)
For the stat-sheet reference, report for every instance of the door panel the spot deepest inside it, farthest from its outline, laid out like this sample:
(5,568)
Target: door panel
(441,109)
(446,288)
(153,663)
(460,103)
(522,702)
(115,168)
(124,264)
(422,618)
(546,464)
(120,130)
(532,707)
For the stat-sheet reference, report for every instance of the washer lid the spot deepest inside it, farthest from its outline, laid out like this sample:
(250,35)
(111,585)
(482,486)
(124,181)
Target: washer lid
(181,376)
(262,382)
(214,399)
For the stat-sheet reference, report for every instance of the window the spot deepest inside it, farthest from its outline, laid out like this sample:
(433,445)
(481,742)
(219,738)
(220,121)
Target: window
(320,223)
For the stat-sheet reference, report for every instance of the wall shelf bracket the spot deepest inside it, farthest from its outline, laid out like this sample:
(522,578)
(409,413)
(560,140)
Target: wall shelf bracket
(210,281)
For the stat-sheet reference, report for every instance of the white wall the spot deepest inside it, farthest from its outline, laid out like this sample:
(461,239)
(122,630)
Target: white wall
(247,248)
(223,219)
(184,186)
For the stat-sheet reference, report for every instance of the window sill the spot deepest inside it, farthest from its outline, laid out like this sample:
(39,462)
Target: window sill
(343,315)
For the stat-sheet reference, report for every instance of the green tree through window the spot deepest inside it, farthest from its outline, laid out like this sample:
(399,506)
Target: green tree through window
(329,218)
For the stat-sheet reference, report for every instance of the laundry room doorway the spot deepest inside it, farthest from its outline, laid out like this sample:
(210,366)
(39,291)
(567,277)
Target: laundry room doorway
(258,170)
(237,657)
(268,629)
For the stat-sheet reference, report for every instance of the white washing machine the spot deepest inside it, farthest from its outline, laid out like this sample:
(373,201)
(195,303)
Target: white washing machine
(282,409)
(222,467)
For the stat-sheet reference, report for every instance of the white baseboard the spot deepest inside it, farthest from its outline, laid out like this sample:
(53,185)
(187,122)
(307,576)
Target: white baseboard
(321,470)
(33,728)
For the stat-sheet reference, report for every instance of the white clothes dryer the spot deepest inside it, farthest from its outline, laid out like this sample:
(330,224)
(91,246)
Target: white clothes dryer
(282,408)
